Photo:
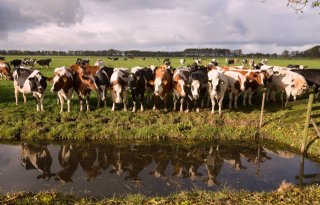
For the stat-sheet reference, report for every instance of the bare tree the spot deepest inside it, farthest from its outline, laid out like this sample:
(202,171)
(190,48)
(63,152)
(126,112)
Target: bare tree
(299,5)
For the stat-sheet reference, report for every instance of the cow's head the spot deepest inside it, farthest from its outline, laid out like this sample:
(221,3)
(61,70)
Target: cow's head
(60,81)
(242,79)
(180,82)
(195,86)
(38,83)
(118,87)
(160,80)
(214,82)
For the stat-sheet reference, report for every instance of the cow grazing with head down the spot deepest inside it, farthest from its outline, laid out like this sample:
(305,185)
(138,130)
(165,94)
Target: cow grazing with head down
(180,81)
(44,62)
(16,62)
(29,81)
(231,61)
(197,87)
(84,83)
(5,70)
(29,62)
(291,83)
(102,78)
(182,61)
(218,85)
(63,85)
(119,82)
(162,85)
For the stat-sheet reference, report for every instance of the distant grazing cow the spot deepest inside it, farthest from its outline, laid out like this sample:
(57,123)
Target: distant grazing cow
(182,61)
(312,77)
(264,61)
(198,61)
(236,82)
(167,62)
(197,88)
(44,62)
(16,62)
(2,58)
(63,85)
(115,58)
(5,70)
(251,63)
(119,81)
(84,83)
(29,62)
(37,157)
(180,81)
(231,61)
(218,85)
(162,85)
(143,59)
(293,84)
(29,81)
(83,62)
(214,62)
(244,62)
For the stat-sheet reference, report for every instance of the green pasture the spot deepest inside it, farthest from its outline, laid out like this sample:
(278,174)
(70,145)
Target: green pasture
(22,122)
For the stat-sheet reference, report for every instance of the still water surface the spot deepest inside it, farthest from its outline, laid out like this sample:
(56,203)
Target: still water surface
(108,169)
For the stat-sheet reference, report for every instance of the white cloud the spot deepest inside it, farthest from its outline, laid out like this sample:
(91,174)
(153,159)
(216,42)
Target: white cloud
(156,25)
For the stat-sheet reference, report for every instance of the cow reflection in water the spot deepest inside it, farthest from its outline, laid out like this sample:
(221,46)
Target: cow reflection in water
(37,157)
(213,164)
(88,155)
(69,159)
(161,157)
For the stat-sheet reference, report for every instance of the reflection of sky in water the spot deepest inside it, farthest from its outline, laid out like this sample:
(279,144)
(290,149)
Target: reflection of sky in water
(104,170)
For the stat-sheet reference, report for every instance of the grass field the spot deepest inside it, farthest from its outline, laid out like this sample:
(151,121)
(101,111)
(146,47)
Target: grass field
(23,122)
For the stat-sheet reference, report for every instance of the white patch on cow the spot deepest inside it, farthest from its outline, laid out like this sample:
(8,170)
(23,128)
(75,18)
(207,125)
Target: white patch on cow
(118,89)
(182,84)
(135,69)
(158,86)
(195,86)
(99,63)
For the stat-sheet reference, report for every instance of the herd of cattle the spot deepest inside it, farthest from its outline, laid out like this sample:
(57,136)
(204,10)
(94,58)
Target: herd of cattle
(189,85)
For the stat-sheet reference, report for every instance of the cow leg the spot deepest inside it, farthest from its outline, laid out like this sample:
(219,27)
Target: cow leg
(134,101)
(181,104)
(98,97)
(196,105)
(141,101)
(175,100)
(273,96)
(236,101)
(16,93)
(155,102)
(287,94)
(165,100)
(24,98)
(188,104)
(230,99)
(81,103)
(61,102)
(87,102)
(125,100)
(213,103)
(113,106)
(220,104)
(244,99)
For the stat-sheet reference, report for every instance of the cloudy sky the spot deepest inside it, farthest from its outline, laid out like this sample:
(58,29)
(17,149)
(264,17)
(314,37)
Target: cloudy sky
(252,25)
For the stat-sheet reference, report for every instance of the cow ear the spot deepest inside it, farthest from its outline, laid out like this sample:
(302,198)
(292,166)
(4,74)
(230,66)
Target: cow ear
(151,82)
(165,82)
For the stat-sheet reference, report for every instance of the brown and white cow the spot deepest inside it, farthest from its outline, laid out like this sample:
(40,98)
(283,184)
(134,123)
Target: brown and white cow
(84,83)
(180,81)
(236,82)
(291,83)
(5,70)
(63,85)
(162,85)
(119,82)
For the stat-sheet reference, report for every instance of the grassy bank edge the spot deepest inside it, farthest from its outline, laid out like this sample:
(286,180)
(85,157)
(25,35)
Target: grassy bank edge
(288,194)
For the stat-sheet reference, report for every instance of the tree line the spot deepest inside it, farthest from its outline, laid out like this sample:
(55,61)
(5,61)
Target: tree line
(190,52)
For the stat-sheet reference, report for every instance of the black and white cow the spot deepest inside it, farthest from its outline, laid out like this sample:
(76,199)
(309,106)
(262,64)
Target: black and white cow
(44,62)
(198,88)
(16,62)
(29,81)
(29,62)
(82,62)
(138,83)
(102,78)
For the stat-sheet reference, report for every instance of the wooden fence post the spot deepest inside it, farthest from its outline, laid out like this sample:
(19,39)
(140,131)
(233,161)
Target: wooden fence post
(307,122)
(262,108)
